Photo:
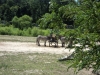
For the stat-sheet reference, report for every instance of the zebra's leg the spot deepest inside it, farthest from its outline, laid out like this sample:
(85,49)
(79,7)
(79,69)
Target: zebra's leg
(45,43)
(56,43)
(63,44)
(38,42)
(49,43)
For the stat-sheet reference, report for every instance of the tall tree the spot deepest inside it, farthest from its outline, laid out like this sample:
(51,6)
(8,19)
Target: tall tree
(52,21)
(38,8)
(34,8)
(68,13)
(88,21)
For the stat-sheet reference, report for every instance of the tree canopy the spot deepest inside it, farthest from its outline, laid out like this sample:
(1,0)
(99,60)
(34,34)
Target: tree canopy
(33,8)
(87,19)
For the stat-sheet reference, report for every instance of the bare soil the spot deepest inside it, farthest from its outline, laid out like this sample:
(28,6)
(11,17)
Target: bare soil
(32,48)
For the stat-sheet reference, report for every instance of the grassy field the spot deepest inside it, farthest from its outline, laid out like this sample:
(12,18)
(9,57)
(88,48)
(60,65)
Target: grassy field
(17,38)
(34,64)
(31,64)
(14,63)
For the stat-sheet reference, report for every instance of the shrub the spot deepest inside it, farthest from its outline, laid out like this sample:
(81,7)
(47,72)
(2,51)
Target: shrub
(22,22)
(35,31)
(46,32)
(15,21)
(10,30)
(26,32)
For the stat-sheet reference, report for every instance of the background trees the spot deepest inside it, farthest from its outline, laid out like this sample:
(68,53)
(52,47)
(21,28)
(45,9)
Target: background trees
(23,22)
(33,8)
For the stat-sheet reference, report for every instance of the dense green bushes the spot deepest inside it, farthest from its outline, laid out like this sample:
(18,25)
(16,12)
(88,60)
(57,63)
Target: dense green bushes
(34,31)
(9,30)
(22,22)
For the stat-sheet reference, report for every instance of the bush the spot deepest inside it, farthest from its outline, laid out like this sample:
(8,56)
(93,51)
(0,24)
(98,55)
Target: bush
(2,31)
(22,22)
(35,31)
(46,32)
(15,22)
(9,30)
(26,32)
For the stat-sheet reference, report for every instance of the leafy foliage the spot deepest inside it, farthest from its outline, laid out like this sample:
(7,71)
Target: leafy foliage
(51,21)
(34,8)
(34,31)
(87,55)
(15,21)
(22,22)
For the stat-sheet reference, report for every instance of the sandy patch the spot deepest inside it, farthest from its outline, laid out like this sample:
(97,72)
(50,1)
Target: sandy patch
(32,47)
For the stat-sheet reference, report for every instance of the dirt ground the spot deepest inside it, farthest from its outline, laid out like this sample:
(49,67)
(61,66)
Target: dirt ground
(32,47)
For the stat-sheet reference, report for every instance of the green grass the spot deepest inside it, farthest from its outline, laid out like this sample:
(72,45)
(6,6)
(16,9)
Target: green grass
(17,38)
(34,64)
(31,64)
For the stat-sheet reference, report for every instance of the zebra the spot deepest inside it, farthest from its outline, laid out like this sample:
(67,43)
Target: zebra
(63,40)
(41,38)
(53,39)
(50,39)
